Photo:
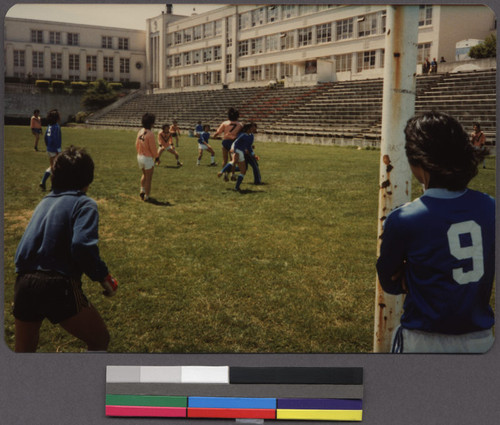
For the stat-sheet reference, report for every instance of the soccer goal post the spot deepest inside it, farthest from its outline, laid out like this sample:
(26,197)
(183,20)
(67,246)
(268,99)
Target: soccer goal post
(399,93)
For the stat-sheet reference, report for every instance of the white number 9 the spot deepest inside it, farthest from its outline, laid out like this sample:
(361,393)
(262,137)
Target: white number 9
(474,251)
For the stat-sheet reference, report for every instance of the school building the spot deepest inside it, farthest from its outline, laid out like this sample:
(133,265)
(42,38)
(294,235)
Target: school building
(252,45)
(234,46)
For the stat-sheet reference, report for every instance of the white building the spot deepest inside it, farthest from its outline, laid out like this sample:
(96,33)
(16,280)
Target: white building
(245,45)
(73,52)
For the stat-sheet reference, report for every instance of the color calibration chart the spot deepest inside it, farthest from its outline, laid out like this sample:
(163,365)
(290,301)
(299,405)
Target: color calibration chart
(227,392)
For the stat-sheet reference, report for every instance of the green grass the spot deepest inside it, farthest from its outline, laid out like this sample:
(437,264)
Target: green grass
(283,267)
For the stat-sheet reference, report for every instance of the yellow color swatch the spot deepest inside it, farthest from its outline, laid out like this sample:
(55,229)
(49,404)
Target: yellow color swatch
(320,415)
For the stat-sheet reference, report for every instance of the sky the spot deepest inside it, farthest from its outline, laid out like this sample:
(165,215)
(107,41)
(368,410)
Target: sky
(131,16)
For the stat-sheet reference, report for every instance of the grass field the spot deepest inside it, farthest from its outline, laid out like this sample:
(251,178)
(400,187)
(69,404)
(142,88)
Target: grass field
(287,266)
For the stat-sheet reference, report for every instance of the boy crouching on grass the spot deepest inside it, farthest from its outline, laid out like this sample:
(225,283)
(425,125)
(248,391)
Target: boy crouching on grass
(58,246)
(440,248)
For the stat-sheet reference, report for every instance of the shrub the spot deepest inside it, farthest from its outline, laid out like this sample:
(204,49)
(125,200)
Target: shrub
(486,49)
(98,95)
(81,116)
(116,86)
(42,84)
(58,86)
(78,86)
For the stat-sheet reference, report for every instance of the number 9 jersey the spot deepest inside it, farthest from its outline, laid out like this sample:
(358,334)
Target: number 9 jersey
(444,243)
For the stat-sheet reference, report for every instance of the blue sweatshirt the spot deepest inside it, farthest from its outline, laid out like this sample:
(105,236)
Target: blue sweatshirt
(244,142)
(62,236)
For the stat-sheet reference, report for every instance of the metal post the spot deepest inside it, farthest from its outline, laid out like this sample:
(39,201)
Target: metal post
(399,95)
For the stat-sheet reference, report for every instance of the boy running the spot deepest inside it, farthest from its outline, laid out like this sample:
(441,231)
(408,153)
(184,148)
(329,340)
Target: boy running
(165,144)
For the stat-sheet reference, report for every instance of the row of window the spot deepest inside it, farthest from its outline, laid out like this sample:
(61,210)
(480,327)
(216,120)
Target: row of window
(369,24)
(74,62)
(209,54)
(73,39)
(193,80)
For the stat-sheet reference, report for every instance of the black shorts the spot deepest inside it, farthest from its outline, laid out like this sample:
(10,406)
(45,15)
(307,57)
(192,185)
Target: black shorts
(39,295)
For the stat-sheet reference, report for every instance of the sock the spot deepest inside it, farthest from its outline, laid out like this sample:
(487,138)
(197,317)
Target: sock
(212,159)
(226,167)
(45,177)
(238,182)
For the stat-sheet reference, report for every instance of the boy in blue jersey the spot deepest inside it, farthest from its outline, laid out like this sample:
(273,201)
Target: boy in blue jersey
(243,145)
(53,141)
(203,145)
(58,246)
(439,250)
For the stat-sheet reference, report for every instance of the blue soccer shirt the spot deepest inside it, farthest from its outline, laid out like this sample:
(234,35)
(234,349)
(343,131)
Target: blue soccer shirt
(445,243)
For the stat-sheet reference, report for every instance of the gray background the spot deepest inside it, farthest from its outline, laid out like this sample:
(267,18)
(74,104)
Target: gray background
(49,389)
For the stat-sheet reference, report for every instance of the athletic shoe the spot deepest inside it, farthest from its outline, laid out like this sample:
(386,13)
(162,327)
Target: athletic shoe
(213,164)
(142,195)
(179,164)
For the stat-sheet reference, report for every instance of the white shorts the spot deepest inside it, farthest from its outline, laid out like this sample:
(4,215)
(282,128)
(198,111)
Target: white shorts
(415,341)
(53,154)
(202,146)
(145,162)
(241,155)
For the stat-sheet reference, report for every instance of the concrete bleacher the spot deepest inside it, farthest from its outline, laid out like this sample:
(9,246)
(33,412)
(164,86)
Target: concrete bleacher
(347,112)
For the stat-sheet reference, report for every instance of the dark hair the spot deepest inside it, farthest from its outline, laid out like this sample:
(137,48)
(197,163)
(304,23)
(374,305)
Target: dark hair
(233,114)
(148,120)
(36,111)
(248,126)
(476,124)
(438,143)
(53,116)
(164,126)
(206,126)
(73,169)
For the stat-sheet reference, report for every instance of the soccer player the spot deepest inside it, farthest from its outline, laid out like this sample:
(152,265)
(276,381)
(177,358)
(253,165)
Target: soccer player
(198,129)
(439,250)
(146,154)
(58,246)
(241,146)
(53,141)
(175,131)
(478,138)
(165,143)
(204,146)
(36,126)
(230,129)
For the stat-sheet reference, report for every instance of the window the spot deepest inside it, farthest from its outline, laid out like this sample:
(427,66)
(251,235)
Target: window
(425,15)
(217,77)
(242,74)
(107,42)
(208,30)
(244,20)
(187,58)
(196,56)
(218,27)
(18,57)
(366,60)
(270,71)
(217,53)
(207,78)
(177,60)
(272,43)
(287,40)
(259,16)
(324,33)
(256,73)
(343,63)
(178,37)
(305,36)
(256,45)
(196,79)
(286,70)
(92,63)
(272,13)
(73,39)
(124,66)
(56,61)
(229,38)
(243,48)
(197,31)
(36,36)
(367,25)
(289,11)
(37,60)
(122,43)
(54,37)
(424,51)
(186,80)
(344,29)
(229,64)
(177,82)
(170,39)
(108,63)
(311,67)
(188,34)
(74,62)
(170,61)
(207,55)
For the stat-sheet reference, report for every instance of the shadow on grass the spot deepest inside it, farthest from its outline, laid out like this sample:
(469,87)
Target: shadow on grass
(159,203)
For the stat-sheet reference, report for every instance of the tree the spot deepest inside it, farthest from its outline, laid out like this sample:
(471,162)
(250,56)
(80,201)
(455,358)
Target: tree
(99,94)
(486,49)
